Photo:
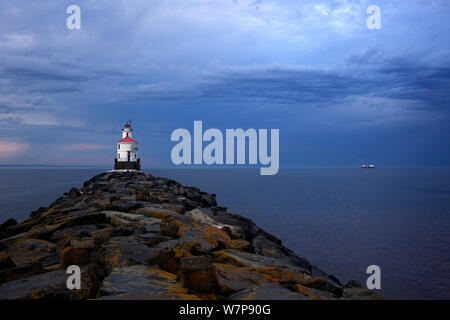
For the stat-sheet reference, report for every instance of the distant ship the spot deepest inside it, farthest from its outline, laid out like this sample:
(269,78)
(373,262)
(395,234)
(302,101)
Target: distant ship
(370,166)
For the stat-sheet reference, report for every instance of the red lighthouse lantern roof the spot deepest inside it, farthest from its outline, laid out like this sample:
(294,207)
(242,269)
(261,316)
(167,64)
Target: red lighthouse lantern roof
(127,139)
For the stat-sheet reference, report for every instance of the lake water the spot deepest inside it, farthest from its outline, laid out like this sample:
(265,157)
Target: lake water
(342,220)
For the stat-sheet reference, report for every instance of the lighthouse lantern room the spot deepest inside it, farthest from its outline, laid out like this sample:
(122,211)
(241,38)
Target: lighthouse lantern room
(127,151)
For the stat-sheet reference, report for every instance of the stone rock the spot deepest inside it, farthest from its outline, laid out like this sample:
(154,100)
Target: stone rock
(5,261)
(95,218)
(152,239)
(267,291)
(198,274)
(19,272)
(232,279)
(334,279)
(33,244)
(82,244)
(167,259)
(153,228)
(201,216)
(283,275)
(17,229)
(178,208)
(123,215)
(191,264)
(322,284)
(219,238)
(74,232)
(23,250)
(27,270)
(208,200)
(122,219)
(38,211)
(8,223)
(50,285)
(361,294)
(170,228)
(245,259)
(47,285)
(267,245)
(125,206)
(142,282)
(76,256)
(239,245)
(155,212)
(353,284)
(11,241)
(314,294)
(150,296)
(131,217)
(248,227)
(194,245)
(73,193)
(21,257)
(123,251)
(316,272)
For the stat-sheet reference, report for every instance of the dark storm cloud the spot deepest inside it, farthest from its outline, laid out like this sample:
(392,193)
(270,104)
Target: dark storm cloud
(53,77)
(280,85)
(30,74)
(270,84)
(427,85)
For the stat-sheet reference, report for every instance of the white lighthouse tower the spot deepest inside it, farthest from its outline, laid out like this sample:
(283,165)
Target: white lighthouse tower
(127,151)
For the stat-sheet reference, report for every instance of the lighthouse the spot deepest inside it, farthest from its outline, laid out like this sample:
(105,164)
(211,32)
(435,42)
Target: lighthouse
(127,151)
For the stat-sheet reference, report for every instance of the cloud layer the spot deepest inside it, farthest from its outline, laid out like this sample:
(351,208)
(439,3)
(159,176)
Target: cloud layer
(310,68)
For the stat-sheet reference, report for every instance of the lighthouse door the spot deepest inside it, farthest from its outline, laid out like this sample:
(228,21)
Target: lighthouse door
(128,154)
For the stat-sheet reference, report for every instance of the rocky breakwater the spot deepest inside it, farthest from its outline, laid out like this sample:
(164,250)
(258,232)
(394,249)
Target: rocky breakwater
(136,236)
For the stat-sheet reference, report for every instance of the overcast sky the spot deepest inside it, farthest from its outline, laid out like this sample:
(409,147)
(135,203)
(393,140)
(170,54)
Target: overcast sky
(340,94)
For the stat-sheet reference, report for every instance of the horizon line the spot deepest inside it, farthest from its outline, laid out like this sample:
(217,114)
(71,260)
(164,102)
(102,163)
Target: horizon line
(196,167)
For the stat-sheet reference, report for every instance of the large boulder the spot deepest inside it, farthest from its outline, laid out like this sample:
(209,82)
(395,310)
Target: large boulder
(193,244)
(167,259)
(267,291)
(24,250)
(156,212)
(324,284)
(142,282)
(8,223)
(5,261)
(246,259)
(232,279)
(204,216)
(75,256)
(123,251)
(47,285)
(50,285)
(198,274)
(361,294)
(314,294)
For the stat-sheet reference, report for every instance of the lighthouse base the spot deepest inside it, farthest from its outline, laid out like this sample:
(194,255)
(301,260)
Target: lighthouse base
(127,165)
